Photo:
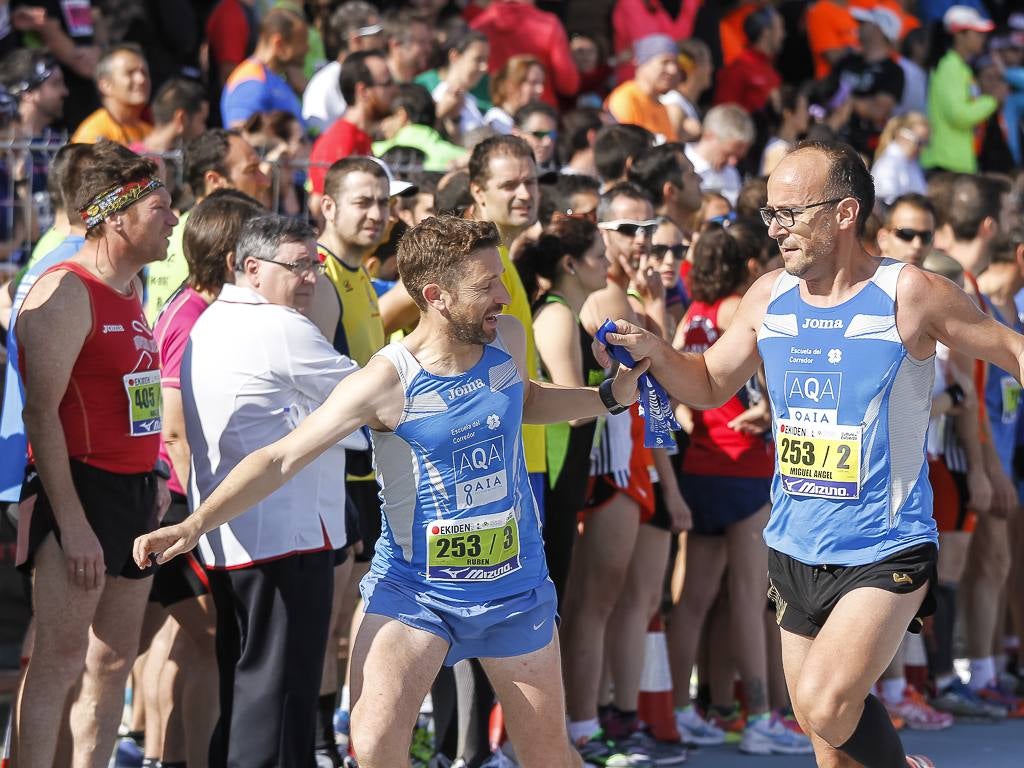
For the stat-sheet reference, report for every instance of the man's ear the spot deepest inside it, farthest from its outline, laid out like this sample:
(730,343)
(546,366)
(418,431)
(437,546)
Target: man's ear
(436,297)
(212,181)
(668,191)
(989,228)
(882,238)
(477,193)
(848,210)
(328,207)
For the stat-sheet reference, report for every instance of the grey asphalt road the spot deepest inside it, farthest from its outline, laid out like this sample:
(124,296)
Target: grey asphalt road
(999,745)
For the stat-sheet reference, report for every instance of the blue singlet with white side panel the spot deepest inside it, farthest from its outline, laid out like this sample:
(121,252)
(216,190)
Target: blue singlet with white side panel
(850,409)
(460,553)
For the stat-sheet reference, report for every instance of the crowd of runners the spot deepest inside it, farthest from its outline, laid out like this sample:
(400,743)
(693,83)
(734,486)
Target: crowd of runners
(321,449)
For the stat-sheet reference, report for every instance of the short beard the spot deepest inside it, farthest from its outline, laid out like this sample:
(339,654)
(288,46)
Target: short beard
(465,330)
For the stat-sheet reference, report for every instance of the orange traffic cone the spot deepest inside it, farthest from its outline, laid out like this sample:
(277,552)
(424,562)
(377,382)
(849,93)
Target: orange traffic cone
(654,706)
(496,728)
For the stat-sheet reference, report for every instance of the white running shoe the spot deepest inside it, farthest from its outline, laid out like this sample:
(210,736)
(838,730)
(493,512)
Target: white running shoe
(768,735)
(694,729)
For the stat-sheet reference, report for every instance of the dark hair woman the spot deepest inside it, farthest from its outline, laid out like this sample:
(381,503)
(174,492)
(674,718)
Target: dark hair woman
(560,270)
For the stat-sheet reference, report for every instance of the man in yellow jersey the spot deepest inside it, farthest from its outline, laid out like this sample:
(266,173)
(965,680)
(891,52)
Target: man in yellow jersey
(503,183)
(216,159)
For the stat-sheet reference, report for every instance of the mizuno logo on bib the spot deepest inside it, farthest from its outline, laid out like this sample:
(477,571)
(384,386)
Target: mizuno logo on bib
(480,548)
(819,460)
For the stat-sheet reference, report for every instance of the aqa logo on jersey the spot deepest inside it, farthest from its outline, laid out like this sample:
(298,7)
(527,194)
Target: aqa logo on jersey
(480,476)
(813,396)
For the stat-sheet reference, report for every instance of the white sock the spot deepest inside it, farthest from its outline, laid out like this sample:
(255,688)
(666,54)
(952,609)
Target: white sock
(892,689)
(583,730)
(343,704)
(983,673)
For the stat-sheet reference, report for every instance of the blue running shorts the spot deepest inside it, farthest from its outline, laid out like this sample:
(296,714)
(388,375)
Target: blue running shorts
(512,626)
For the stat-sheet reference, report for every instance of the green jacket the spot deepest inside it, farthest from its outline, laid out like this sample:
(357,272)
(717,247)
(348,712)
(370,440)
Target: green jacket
(954,111)
(440,153)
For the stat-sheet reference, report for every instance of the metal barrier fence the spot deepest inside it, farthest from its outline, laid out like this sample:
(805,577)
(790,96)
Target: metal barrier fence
(26,212)
(25,208)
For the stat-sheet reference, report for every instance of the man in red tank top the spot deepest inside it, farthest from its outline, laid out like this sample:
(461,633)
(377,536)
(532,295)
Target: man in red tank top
(93,419)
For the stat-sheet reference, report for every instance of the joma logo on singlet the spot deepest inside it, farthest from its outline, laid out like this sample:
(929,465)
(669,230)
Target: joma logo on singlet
(113,328)
(811,322)
(465,389)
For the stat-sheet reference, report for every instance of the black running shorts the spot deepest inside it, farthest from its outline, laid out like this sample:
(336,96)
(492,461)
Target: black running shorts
(118,507)
(805,595)
(183,577)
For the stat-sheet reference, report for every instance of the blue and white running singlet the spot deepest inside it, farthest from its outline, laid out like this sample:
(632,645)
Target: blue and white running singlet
(850,409)
(1003,400)
(459,514)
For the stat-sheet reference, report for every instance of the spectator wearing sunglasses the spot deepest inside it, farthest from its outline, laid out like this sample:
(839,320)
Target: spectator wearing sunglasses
(36,86)
(897,168)
(908,230)
(669,248)
(537,124)
(37,83)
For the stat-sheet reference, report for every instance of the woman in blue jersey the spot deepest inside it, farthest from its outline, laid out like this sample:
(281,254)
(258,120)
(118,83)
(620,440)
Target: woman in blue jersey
(569,257)
(459,570)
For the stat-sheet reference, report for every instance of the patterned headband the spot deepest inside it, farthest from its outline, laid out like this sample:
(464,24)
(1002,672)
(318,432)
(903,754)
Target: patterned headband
(116,199)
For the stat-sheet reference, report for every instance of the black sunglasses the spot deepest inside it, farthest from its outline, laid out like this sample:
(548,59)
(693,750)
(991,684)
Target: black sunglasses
(541,135)
(907,235)
(41,72)
(630,227)
(678,251)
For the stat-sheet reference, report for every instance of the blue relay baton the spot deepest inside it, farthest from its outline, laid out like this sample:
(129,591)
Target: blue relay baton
(659,421)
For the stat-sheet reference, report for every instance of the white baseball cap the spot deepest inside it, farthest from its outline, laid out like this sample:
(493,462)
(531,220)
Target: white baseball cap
(396,187)
(961,17)
(883,18)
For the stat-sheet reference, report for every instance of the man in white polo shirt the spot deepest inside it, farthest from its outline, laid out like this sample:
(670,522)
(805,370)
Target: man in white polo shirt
(255,367)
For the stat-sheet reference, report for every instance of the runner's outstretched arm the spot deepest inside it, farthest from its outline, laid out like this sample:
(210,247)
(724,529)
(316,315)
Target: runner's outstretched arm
(942,311)
(705,380)
(359,399)
(545,403)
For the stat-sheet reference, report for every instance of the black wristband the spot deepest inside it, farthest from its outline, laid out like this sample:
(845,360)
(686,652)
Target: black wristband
(613,405)
(956,393)
(162,470)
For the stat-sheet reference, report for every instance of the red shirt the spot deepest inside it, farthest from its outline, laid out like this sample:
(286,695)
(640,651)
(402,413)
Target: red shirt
(118,360)
(228,33)
(636,19)
(715,448)
(515,28)
(747,81)
(340,140)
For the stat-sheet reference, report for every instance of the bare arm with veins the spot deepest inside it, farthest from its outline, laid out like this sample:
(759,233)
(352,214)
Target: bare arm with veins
(708,379)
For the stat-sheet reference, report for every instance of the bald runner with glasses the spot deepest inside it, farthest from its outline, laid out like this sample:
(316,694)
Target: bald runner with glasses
(847,342)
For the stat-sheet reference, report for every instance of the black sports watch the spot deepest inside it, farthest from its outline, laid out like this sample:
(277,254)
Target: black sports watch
(613,405)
